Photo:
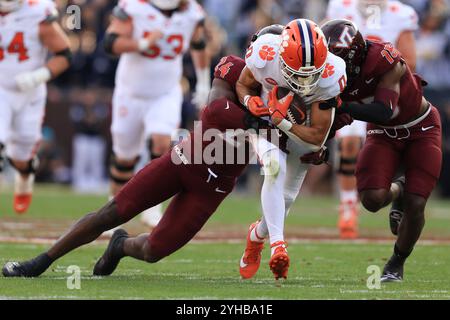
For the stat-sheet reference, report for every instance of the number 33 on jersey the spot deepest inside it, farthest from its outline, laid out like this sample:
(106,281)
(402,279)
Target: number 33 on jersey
(161,65)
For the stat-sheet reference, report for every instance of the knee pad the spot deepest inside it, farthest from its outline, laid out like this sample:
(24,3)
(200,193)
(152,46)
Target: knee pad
(123,169)
(31,168)
(151,153)
(2,157)
(347,165)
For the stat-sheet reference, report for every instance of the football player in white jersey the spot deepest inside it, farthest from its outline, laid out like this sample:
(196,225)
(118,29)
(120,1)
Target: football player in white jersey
(377,20)
(299,60)
(151,37)
(28,31)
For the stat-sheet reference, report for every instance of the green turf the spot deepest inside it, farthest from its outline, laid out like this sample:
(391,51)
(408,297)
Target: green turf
(209,271)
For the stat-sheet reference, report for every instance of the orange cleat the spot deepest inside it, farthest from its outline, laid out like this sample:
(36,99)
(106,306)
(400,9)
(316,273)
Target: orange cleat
(22,202)
(279,262)
(348,220)
(251,259)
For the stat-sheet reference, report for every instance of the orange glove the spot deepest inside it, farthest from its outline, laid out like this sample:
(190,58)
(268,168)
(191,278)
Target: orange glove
(256,106)
(278,108)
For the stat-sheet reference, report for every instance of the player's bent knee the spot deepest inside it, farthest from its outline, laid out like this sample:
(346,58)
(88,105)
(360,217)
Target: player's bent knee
(158,145)
(121,171)
(374,200)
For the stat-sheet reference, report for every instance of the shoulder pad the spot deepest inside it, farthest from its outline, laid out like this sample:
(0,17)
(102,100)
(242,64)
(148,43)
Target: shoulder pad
(334,76)
(264,49)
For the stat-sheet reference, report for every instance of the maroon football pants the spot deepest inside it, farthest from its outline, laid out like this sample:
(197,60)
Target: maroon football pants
(197,191)
(417,150)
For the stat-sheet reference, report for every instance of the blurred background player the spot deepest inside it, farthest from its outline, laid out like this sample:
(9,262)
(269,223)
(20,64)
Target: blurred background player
(151,38)
(28,31)
(377,20)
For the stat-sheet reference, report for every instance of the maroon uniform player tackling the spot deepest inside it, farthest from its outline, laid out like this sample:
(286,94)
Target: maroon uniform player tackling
(403,129)
(197,190)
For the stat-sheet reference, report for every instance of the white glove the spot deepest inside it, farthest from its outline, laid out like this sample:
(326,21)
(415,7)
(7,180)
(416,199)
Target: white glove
(29,80)
(202,88)
(145,43)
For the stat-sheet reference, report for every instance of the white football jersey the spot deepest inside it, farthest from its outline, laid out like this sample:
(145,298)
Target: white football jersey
(263,60)
(20,47)
(156,71)
(381,25)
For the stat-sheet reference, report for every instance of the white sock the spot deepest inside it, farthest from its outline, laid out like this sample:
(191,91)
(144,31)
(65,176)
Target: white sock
(255,236)
(349,196)
(272,195)
(23,186)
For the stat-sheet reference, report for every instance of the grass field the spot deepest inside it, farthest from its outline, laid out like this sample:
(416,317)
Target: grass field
(322,268)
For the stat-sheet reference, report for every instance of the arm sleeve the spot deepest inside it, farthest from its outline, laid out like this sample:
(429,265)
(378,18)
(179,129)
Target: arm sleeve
(375,112)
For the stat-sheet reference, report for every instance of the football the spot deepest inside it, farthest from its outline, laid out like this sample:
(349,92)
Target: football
(297,110)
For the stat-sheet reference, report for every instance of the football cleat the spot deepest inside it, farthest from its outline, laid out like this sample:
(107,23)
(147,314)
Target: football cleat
(396,212)
(23,192)
(348,220)
(393,270)
(113,253)
(251,259)
(30,268)
(22,203)
(279,262)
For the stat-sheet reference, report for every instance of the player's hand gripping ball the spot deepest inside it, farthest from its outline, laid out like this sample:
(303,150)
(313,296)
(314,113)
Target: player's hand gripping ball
(285,104)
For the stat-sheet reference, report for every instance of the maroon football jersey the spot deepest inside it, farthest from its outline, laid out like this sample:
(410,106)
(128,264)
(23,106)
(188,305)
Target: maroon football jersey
(382,57)
(220,115)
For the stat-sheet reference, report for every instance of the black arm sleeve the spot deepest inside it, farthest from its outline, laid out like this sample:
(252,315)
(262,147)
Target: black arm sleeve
(375,112)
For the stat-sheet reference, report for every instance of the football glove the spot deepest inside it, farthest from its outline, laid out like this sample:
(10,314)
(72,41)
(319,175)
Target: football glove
(316,158)
(256,106)
(29,80)
(279,108)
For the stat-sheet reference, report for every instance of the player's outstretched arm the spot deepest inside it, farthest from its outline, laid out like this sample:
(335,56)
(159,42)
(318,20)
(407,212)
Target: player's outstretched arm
(406,44)
(118,38)
(385,101)
(56,41)
(202,63)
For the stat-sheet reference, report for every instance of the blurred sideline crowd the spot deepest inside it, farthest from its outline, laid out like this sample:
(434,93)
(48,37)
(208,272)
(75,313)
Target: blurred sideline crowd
(76,140)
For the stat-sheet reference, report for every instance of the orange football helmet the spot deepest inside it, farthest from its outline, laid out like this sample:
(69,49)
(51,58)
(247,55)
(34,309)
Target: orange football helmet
(303,54)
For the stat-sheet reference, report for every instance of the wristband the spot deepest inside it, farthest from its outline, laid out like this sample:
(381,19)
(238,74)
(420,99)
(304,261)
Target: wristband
(246,98)
(285,125)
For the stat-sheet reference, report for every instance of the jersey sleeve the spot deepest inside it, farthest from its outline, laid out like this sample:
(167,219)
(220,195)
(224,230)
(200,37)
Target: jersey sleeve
(407,18)
(196,11)
(46,11)
(382,57)
(229,69)
(334,79)
(223,114)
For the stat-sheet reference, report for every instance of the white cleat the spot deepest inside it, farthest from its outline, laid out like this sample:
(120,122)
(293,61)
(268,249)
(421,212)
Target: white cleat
(152,216)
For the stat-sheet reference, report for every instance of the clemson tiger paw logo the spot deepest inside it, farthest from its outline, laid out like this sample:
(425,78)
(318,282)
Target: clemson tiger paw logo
(328,72)
(267,53)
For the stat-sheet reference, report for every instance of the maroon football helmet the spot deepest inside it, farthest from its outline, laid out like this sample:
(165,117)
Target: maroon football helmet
(345,41)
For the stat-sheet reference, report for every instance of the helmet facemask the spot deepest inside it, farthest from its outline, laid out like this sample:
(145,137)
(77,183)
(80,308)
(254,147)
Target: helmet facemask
(301,82)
